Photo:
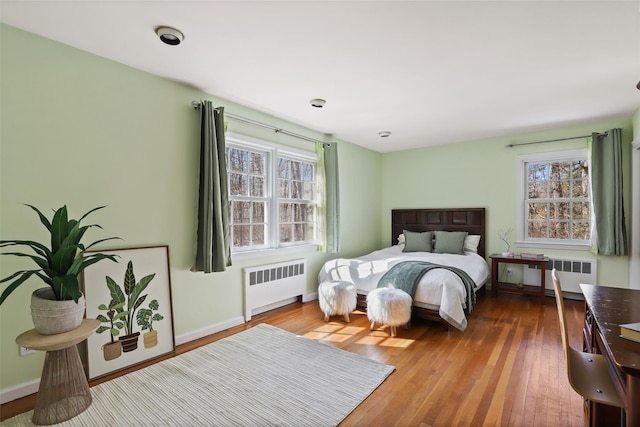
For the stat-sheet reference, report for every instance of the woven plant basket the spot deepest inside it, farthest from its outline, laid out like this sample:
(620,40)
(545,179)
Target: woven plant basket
(51,316)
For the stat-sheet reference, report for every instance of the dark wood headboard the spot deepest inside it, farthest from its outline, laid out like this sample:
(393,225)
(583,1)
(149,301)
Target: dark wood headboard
(471,220)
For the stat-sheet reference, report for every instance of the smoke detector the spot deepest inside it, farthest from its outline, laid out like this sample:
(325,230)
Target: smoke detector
(170,35)
(384,134)
(317,102)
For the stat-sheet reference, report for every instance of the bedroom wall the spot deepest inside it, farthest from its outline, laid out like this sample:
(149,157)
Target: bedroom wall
(85,131)
(484,175)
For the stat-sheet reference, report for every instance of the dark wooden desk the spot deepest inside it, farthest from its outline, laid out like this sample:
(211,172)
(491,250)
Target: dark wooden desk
(605,309)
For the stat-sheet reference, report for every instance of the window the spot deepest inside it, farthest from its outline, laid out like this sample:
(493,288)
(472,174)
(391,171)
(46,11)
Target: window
(556,204)
(272,193)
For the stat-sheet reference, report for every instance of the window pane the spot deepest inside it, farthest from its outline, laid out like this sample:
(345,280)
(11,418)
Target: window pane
(580,169)
(257,164)
(257,186)
(285,212)
(237,184)
(299,213)
(581,230)
(299,233)
(580,189)
(581,210)
(537,229)
(559,189)
(285,233)
(257,237)
(241,212)
(559,210)
(258,212)
(241,235)
(296,170)
(309,172)
(311,231)
(283,188)
(283,168)
(308,191)
(537,210)
(560,170)
(238,160)
(296,189)
(559,230)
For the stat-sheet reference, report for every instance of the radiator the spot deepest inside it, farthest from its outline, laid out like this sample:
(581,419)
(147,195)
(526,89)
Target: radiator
(274,285)
(571,273)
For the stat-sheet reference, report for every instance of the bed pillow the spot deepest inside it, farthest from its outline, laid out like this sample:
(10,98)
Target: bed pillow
(471,243)
(418,242)
(401,239)
(450,242)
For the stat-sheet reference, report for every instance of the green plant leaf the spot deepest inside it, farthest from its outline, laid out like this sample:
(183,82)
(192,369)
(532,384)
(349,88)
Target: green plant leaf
(102,318)
(129,279)
(101,329)
(68,285)
(43,219)
(115,332)
(24,275)
(116,292)
(103,307)
(157,317)
(58,228)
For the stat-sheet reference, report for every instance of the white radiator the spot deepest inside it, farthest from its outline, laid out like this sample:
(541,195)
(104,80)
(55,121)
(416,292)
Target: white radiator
(270,286)
(571,273)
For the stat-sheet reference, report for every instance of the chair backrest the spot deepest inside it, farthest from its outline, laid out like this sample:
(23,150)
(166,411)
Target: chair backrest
(561,314)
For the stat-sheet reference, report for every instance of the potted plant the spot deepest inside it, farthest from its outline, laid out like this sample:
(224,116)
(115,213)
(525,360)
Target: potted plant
(131,297)
(59,266)
(145,318)
(112,350)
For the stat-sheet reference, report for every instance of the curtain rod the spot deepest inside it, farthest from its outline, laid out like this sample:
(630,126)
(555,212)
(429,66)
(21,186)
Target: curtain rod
(549,140)
(197,105)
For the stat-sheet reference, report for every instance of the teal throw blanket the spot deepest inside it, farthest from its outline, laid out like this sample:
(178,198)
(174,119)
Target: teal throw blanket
(407,274)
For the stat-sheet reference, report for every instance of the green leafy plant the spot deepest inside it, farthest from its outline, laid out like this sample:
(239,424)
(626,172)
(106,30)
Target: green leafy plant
(61,264)
(131,296)
(146,316)
(113,317)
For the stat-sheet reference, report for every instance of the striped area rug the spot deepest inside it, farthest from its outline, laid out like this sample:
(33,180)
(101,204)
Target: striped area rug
(263,376)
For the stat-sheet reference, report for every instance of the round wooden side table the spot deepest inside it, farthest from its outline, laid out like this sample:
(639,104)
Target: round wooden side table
(64,390)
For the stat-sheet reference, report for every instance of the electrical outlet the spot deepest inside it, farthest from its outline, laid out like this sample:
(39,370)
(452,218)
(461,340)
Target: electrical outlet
(26,351)
(509,271)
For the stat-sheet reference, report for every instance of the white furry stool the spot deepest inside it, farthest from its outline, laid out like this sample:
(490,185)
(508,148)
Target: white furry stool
(337,298)
(389,306)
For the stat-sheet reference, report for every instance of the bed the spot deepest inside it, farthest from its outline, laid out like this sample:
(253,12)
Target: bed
(440,294)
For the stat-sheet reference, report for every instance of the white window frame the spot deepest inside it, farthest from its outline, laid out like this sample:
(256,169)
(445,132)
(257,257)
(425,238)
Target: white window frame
(521,210)
(273,151)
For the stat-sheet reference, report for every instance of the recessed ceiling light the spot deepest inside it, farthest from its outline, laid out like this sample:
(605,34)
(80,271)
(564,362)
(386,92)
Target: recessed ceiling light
(384,134)
(170,35)
(317,102)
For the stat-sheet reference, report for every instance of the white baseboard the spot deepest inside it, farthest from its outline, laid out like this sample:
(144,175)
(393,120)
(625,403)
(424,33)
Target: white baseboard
(309,297)
(18,391)
(209,330)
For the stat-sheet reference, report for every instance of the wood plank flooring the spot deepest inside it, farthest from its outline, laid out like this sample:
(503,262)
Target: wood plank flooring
(506,369)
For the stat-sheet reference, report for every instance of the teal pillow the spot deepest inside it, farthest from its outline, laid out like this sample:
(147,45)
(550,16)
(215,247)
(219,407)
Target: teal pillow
(450,242)
(417,242)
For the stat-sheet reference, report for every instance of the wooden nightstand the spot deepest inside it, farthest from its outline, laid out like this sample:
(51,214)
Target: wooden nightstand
(497,285)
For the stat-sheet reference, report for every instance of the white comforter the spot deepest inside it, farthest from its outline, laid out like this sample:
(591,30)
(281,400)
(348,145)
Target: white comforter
(439,289)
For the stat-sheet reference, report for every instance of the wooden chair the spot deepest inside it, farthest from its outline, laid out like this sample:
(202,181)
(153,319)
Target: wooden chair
(588,372)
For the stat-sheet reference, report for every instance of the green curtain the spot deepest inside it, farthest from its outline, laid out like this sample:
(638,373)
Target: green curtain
(606,189)
(332,197)
(213,252)
(321,190)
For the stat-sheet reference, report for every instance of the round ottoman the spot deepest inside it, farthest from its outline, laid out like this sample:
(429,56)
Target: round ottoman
(337,298)
(389,306)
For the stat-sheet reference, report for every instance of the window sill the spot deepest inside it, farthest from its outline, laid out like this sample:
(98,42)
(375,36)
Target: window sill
(290,250)
(561,246)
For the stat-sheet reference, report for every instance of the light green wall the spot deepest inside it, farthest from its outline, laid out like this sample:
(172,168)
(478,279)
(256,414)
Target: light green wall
(483,174)
(84,131)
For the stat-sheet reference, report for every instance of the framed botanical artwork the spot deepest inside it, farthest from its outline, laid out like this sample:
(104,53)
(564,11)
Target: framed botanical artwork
(132,299)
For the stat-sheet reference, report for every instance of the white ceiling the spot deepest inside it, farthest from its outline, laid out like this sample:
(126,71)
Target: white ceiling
(430,72)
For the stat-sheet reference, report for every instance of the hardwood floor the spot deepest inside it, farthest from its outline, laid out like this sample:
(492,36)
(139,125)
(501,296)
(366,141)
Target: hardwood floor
(506,369)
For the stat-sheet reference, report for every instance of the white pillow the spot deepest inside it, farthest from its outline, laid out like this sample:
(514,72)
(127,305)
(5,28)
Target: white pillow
(471,243)
(401,239)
